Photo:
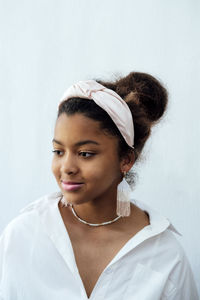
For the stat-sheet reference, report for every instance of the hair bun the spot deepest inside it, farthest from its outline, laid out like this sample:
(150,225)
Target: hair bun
(144,90)
(147,99)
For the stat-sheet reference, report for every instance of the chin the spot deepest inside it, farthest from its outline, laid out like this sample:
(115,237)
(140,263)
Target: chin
(72,200)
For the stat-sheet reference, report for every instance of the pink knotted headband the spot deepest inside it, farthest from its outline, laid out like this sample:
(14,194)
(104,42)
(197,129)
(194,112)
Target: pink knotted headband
(107,99)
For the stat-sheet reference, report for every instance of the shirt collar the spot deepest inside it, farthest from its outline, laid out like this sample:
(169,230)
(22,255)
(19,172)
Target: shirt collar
(158,222)
(52,223)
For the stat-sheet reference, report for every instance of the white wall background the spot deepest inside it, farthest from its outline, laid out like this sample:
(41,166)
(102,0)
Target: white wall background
(46,45)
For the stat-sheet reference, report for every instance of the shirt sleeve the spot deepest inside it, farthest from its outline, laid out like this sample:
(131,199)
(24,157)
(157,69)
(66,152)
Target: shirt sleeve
(183,281)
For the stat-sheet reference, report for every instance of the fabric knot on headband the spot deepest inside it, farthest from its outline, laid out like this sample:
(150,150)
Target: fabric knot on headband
(108,100)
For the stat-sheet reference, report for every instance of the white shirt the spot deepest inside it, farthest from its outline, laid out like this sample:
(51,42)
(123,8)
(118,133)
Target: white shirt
(37,260)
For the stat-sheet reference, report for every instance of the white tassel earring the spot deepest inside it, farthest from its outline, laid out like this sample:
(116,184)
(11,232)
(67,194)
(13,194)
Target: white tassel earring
(123,198)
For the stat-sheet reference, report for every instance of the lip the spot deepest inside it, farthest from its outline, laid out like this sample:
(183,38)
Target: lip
(70,182)
(71,186)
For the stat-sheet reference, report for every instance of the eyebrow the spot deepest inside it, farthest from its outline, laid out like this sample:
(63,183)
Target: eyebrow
(80,143)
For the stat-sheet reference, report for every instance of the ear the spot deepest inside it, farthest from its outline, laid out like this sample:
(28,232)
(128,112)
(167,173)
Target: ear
(127,161)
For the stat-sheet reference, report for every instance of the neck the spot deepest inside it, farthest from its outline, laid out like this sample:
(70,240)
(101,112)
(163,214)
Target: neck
(98,210)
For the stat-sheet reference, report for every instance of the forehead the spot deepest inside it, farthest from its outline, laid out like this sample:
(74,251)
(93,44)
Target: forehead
(77,126)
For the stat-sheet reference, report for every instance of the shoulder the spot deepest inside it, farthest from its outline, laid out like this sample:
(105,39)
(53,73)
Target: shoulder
(162,236)
(167,256)
(27,221)
(180,283)
(168,241)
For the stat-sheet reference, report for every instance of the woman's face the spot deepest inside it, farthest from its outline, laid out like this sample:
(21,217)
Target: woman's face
(95,164)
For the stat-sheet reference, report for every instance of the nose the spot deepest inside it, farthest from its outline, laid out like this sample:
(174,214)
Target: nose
(68,164)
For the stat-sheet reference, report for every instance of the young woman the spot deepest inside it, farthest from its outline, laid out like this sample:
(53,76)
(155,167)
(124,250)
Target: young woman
(92,240)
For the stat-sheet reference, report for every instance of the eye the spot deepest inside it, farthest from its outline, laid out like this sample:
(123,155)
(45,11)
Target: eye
(57,152)
(90,154)
(83,154)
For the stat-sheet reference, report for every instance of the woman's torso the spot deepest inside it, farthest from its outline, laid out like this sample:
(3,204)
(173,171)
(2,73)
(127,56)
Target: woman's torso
(94,248)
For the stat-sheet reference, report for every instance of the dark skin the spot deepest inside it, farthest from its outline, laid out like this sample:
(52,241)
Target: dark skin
(99,168)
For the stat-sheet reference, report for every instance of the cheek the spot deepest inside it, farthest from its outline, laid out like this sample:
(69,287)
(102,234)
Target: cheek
(103,173)
(55,168)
